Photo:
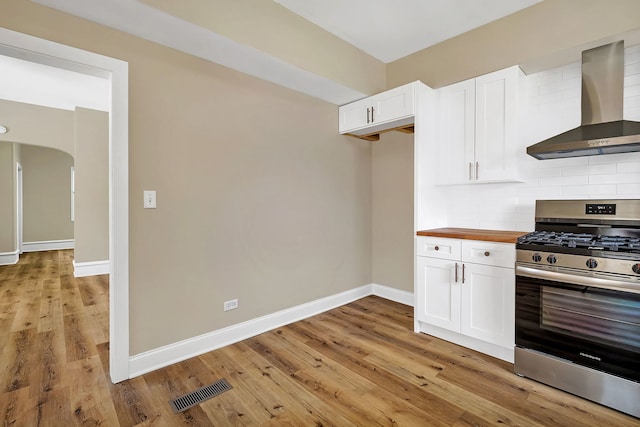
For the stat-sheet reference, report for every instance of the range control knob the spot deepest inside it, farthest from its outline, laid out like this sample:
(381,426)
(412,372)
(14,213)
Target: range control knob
(592,263)
(636,268)
(537,257)
(551,259)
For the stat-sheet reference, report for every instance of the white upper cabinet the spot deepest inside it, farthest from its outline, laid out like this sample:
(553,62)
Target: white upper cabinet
(456,139)
(387,110)
(477,139)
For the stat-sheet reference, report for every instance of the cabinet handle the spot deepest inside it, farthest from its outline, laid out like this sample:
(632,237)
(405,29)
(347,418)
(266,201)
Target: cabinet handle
(371,114)
(477,176)
(487,253)
(437,248)
(368,114)
(470,171)
(456,274)
(462,273)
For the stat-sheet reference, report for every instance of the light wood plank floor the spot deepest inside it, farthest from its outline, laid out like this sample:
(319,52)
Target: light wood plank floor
(359,364)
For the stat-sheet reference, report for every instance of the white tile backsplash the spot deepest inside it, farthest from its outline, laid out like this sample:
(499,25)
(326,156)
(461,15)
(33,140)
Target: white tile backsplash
(629,167)
(632,54)
(632,80)
(618,178)
(607,168)
(551,105)
(629,190)
(631,69)
(631,91)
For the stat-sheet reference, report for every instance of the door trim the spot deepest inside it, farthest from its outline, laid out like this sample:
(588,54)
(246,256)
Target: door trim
(33,49)
(19,209)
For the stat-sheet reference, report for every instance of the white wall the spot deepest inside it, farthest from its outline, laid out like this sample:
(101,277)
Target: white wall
(551,105)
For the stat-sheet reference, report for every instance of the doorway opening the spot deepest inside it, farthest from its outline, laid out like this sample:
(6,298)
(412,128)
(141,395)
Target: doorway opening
(41,51)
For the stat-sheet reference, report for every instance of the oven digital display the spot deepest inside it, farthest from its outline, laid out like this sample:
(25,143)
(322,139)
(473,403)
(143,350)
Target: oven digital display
(600,209)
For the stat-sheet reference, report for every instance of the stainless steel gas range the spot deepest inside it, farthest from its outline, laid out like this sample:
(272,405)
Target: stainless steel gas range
(578,300)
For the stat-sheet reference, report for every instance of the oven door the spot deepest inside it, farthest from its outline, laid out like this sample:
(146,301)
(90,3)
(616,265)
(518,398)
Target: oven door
(590,321)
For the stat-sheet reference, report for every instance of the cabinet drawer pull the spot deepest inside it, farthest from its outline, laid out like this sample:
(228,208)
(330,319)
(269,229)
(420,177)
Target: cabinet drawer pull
(462,273)
(367,115)
(470,170)
(437,248)
(371,114)
(487,253)
(456,273)
(477,176)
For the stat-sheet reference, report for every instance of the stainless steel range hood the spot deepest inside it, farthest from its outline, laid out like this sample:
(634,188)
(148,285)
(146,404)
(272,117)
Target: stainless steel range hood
(603,131)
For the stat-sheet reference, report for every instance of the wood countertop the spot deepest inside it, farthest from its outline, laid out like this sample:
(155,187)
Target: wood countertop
(501,236)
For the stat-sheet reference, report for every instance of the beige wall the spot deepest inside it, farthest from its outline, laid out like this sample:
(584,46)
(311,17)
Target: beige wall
(7,195)
(259,198)
(41,126)
(91,226)
(46,177)
(83,133)
(392,211)
(36,125)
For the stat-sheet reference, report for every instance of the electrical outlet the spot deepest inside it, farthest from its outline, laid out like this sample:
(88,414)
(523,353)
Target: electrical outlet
(231,305)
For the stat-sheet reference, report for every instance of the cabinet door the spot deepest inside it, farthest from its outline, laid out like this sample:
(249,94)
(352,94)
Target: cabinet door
(496,115)
(394,104)
(488,301)
(438,295)
(457,133)
(355,115)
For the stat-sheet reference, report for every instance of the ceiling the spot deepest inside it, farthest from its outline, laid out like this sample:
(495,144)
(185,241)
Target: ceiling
(389,30)
(37,84)
(384,29)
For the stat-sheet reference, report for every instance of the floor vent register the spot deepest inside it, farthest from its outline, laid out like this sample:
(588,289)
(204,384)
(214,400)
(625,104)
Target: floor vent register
(194,398)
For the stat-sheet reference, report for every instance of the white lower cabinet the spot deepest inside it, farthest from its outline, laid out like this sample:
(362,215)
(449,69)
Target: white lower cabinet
(487,304)
(438,293)
(465,293)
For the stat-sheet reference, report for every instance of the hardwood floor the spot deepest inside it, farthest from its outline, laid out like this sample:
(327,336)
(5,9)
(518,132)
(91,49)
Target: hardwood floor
(359,364)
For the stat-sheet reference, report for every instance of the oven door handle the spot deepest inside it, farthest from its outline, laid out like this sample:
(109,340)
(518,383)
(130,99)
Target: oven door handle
(577,279)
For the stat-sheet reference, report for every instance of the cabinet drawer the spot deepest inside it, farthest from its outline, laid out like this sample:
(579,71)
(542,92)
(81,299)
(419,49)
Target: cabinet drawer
(489,253)
(438,247)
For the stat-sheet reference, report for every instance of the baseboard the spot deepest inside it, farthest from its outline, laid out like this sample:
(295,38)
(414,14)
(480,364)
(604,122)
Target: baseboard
(9,258)
(91,268)
(392,294)
(148,361)
(49,245)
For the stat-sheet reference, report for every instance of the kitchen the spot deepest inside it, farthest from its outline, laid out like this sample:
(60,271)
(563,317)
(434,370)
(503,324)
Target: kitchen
(477,119)
(345,207)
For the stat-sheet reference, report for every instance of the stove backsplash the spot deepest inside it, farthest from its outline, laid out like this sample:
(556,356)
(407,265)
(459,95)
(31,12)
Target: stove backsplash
(551,105)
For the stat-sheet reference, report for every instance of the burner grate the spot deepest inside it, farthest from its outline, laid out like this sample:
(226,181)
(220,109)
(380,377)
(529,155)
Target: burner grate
(582,241)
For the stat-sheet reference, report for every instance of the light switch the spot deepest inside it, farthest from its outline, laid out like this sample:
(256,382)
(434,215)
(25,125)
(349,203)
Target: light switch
(149,199)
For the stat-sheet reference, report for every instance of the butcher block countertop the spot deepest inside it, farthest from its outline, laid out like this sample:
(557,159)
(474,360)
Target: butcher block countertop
(501,236)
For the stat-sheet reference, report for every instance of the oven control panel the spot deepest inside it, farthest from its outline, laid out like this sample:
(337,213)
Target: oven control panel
(600,209)
(553,260)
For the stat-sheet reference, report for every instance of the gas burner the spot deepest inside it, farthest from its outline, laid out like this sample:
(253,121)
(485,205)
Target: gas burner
(569,242)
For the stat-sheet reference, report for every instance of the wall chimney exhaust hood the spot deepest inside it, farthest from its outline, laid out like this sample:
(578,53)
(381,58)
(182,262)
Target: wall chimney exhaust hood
(603,131)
